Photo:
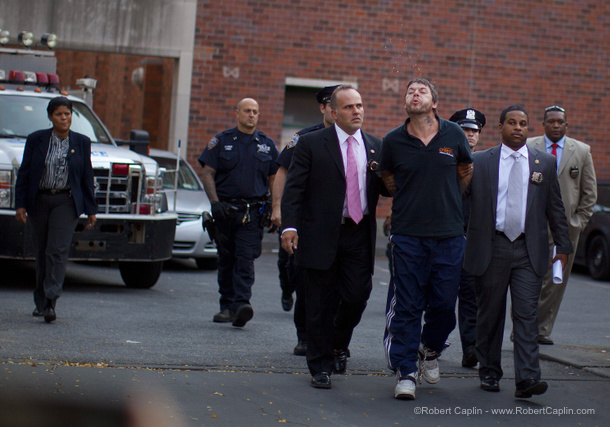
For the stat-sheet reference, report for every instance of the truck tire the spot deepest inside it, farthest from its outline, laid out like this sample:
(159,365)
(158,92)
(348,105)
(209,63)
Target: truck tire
(598,254)
(140,274)
(206,263)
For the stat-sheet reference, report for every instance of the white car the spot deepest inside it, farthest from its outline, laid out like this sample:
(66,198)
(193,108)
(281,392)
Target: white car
(190,241)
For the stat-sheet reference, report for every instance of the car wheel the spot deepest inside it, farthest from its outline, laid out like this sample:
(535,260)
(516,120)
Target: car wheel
(206,263)
(598,259)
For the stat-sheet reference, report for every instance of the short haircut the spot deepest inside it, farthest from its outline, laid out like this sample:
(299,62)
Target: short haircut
(514,107)
(333,97)
(555,108)
(425,82)
(58,101)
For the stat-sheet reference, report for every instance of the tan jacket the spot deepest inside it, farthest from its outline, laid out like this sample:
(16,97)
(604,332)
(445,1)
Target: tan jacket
(576,179)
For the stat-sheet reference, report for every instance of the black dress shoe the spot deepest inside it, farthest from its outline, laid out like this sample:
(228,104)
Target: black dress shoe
(469,359)
(243,315)
(287,302)
(545,340)
(223,316)
(36,313)
(529,387)
(340,364)
(301,348)
(490,384)
(49,315)
(321,380)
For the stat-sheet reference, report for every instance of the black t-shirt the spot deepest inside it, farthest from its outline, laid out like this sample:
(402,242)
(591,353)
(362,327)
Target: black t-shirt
(428,199)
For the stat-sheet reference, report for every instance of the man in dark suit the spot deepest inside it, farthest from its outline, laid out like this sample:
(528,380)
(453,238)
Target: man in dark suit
(328,215)
(514,192)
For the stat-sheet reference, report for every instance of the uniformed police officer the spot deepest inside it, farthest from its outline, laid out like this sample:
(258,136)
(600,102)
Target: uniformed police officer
(471,121)
(292,277)
(238,169)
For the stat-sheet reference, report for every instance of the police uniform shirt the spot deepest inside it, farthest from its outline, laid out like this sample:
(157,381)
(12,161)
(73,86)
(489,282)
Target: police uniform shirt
(286,154)
(428,200)
(243,163)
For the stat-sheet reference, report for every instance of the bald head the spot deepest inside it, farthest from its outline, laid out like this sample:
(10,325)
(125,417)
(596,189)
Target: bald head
(247,115)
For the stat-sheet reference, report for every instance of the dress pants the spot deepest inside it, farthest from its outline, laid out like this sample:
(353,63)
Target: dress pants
(552,294)
(510,266)
(53,226)
(467,311)
(426,278)
(336,298)
(239,245)
(292,278)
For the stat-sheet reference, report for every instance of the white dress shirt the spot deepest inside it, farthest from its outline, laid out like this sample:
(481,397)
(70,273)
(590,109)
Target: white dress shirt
(506,163)
(360,153)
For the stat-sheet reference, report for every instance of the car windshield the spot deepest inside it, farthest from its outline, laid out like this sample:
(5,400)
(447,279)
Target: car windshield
(22,115)
(187,179)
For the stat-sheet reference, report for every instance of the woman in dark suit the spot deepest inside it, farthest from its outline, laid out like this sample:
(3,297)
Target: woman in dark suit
(54,187)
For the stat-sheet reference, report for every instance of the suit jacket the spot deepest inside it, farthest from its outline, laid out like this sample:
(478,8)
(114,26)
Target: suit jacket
(577,181)
(543,204)
(80,171)
(314,194)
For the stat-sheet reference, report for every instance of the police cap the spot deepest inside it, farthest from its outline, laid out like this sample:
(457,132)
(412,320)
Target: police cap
(469,118)
(323,95)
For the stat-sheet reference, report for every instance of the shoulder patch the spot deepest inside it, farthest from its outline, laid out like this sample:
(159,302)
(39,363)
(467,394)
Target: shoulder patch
(212,143)
(293,141)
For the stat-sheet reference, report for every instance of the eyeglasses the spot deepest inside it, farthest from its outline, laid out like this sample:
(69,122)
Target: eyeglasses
(555,108)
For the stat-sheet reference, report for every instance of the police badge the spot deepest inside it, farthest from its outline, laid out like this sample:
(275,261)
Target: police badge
(212,143)
(536,177)
(373,165)
(573,172)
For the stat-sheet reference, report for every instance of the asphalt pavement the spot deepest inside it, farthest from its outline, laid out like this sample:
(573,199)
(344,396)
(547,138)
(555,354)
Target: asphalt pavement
(154,358)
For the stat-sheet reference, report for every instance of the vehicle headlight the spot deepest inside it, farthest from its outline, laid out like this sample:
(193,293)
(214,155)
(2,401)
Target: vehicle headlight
(5,189)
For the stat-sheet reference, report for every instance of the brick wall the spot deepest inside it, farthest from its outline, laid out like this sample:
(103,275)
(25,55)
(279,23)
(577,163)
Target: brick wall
(481,53)
(121,105)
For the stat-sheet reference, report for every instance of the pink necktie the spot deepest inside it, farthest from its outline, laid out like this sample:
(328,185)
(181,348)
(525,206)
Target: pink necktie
(354,207)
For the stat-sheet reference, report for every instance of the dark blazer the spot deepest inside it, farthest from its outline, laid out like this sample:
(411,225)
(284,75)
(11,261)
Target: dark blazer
(543,203)
(80,172)
(314,193)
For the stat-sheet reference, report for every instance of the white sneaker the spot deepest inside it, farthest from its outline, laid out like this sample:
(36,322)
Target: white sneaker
(428,365)
(405,387)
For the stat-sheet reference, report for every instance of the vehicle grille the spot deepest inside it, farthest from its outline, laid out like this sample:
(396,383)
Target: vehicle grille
(184,217)
(119,196)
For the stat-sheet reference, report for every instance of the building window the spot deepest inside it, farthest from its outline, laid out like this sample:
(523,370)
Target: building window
(301,109)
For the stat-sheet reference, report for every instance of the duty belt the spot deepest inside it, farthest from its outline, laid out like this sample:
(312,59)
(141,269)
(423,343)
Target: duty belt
(242,205)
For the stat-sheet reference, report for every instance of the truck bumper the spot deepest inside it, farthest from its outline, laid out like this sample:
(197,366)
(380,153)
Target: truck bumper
(114,238)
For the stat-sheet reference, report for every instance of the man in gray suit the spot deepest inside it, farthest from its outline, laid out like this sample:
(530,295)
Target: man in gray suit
(514,193)
(576,176)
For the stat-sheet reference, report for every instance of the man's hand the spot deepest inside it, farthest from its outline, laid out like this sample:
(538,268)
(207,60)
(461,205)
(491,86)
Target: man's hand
(91,220)
(388,181)
(563,258)
(220,212)
(276,215)
(290,239)
(464,172)
(20,215)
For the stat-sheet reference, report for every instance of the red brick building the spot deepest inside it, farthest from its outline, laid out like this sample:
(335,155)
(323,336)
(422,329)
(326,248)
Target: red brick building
(482,53)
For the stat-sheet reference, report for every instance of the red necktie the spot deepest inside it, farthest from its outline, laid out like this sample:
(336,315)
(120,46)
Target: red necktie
(354,207)
(554,150)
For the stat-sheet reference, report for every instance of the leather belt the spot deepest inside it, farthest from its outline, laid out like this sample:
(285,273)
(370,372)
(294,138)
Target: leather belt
(519,237)
(53,191)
